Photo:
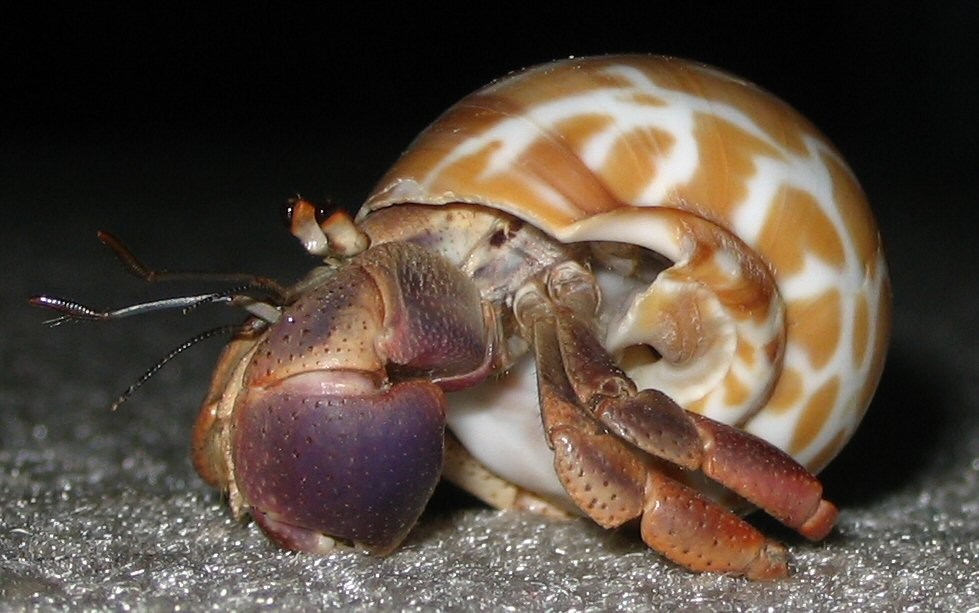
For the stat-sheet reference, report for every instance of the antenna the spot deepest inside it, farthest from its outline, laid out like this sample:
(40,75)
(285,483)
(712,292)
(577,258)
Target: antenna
(265,311)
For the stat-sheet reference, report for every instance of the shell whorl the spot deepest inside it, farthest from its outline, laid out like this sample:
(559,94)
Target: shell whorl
(725,180)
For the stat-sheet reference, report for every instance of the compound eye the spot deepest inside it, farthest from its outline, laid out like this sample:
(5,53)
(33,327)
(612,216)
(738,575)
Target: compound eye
(293,206)
(324,211)
(288,210)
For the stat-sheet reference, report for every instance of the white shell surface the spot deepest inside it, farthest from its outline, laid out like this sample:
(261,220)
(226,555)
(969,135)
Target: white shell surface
(500,424)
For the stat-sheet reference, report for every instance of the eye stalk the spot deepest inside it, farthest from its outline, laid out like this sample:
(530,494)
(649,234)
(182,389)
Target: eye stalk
(321,232)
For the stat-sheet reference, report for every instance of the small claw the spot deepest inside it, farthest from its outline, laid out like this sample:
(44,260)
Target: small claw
(599,434)
(599,472)
(766,476)
(820,523)
(653,422)
(754,469)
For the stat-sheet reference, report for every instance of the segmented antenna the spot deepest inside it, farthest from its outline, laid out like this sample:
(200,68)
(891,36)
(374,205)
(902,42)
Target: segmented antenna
(278,294)
(75,311)
(266,311)
(146,376)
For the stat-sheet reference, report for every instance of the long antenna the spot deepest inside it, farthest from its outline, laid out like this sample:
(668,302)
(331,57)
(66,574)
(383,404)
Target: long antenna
(266,310)
(275,290)
(146,376)
(75,311)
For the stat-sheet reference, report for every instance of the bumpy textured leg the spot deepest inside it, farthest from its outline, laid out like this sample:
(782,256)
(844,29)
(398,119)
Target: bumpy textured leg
(596,421)
(651,421)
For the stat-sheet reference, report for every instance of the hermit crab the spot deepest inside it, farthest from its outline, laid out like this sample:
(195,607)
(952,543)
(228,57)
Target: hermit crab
(632,288)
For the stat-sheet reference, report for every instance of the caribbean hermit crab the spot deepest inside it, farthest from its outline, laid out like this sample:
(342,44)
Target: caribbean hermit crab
(616,280)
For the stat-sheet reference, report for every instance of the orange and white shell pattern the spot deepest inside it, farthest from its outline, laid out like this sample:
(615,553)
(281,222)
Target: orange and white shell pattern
(774,315)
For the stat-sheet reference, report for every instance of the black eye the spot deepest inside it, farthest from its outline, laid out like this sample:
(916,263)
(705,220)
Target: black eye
(287,210)
(323,211)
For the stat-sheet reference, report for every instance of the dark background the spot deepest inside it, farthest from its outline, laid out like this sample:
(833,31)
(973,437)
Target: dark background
(184,129)
(320,100)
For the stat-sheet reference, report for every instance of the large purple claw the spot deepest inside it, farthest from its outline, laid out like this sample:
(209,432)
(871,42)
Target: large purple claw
(330,424)
(356,467)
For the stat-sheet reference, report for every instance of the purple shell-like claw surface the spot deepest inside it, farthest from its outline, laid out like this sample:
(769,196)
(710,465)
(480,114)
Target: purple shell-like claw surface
(355,467)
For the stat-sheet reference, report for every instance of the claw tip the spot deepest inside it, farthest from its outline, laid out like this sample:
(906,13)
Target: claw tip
(821,522)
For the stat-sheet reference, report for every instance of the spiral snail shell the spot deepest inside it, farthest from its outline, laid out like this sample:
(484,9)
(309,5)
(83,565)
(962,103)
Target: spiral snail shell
(774,315)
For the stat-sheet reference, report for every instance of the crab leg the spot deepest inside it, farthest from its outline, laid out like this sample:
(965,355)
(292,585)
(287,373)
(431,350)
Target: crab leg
(594,417)
(614,483)
(650,420)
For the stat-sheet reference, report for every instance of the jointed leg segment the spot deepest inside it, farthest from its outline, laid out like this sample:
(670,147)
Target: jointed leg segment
(599,425)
